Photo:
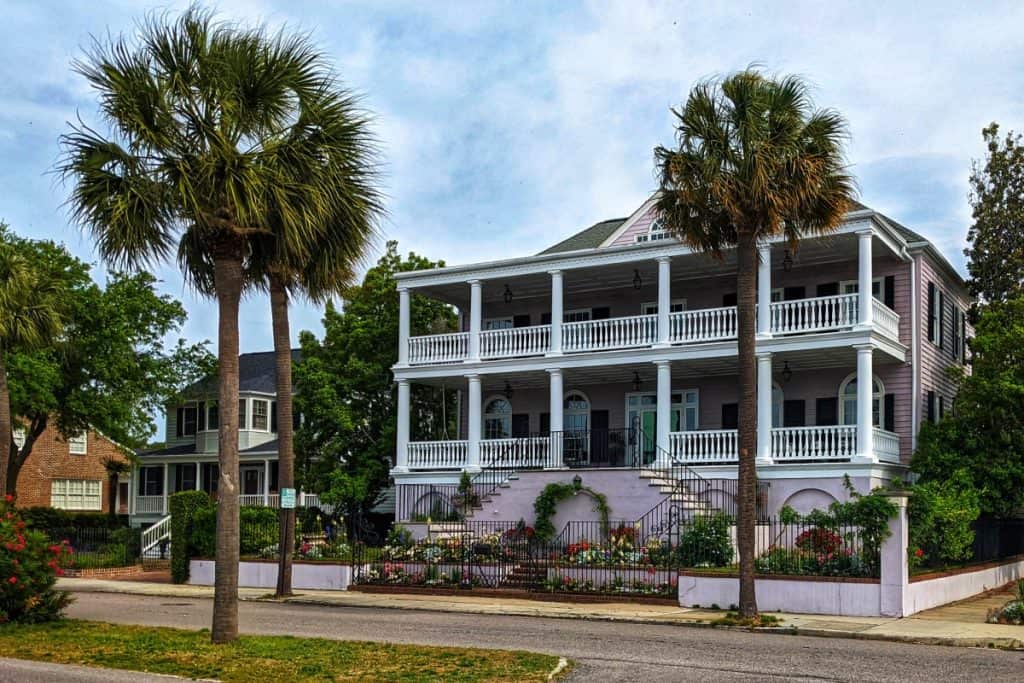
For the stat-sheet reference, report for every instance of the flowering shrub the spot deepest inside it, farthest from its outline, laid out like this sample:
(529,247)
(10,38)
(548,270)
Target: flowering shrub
(796,561)
(29,567)
(564,583)
(1012,612)
(706,542)
(818,540)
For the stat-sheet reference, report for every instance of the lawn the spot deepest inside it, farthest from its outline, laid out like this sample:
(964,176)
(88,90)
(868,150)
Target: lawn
(270,658)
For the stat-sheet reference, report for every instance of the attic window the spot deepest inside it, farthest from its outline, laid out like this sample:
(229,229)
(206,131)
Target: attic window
(655,232)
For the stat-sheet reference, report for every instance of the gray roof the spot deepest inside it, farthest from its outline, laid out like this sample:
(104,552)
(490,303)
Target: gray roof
(591,238)
(256,372)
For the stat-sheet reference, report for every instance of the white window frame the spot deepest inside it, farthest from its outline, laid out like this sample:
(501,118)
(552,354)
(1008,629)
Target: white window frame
(78,444)
(185,406)
(489,323)
(76,494)
(936,315)
(506,418)
(679,407)
(877,398)
(19,435)
(853,286)
(674,306)
(577,315)
(265,416)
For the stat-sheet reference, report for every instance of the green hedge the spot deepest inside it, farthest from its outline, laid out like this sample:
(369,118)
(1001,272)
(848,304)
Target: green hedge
(52,518)
(258,531)
(187,507)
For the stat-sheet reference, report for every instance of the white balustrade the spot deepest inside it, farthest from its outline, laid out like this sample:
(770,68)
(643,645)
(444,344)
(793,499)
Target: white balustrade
(521,452)
(836,442)
(439,348)
(885,319)
(711,446)
(153,535)
(251,500)
(429,455)
(702,324)
(149,505)
(814,315)
(886,445)
(515,341)
(610,333)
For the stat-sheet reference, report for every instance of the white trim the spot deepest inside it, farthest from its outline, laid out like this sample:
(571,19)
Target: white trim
(856,283)
(681,406)
(566,411)
(503,318)
(78,444)
(483,415)
(653,305)
(89,491)
(915,353)
(644,209)
(252,419)
(875,395)
(588,312)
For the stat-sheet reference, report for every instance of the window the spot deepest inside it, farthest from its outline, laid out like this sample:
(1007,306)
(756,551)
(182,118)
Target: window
(499,323)
(212,418)
(778,399)
(655,231)
(200,416)
(675,306)
(498,419)
(19,436)
(151,481)
(261,415)
(241,414)
(78,444)
(186,425)
(848,401)
(76,494)
(576,316)
(935,306)
(853,286)
(959,335)
(577,412)
(185,476)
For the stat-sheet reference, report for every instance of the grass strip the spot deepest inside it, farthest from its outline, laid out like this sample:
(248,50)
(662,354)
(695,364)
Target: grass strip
(267,658)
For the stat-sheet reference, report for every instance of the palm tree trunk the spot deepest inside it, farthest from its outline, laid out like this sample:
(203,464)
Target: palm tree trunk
(227,273)
(285,453)
(746,295)
(6,427)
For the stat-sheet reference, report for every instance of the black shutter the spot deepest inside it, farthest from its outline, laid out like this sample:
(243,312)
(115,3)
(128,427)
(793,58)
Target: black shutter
(889,291)
(601,313)
(963,337)
(179,425)
(826,411)
(793,413)
(729,299)
(200,416)
(942,321)
(296,419)
(942,407)
(520,425)
(828,289)
(794,293)
(889,413)
(521,320)
(545,318)
(730,416)
(545,424)
(931,312)
(930,401)
(275,484)
(273,416)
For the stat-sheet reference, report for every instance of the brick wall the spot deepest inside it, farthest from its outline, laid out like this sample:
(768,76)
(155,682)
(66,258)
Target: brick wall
(51,459)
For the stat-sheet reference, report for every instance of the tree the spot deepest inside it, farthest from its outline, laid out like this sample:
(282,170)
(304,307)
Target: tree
(996,251)
(755,161)
(984,434)
(214,128)
(30,317)
(346,394)
(110,369)
(114,467)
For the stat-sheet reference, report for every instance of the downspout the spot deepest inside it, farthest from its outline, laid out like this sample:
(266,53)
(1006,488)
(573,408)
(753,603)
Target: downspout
(914,352)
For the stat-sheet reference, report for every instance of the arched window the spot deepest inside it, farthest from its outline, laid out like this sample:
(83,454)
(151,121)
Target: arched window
(576,412)
(777,399)
(497,418)
(848,401)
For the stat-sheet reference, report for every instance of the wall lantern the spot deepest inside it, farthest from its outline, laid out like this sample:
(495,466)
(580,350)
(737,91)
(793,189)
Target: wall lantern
(787,374)
(637,280)
(787,261)
(507,295)
(636,381)
(508,390)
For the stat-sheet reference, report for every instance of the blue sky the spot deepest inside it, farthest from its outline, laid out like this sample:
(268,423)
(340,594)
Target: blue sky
(507,126)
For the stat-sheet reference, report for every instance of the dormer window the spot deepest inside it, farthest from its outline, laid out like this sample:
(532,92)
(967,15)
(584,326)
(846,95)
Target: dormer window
(261,415)
(186,425)
(655,231)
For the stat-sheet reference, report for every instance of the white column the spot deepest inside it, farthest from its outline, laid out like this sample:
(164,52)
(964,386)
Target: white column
(557,420)
(266,483)
(402,428)
(475,312)
(199,474)
(864,277)
(664,298)
(664,416)
(865,389)
(475,423)
(764,291)
(403,326)
(764,409)
(556,313)
(167,487)
(133,490)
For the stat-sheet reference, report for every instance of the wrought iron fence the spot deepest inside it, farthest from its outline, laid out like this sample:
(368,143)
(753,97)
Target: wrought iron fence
(997,539)
(808,549)
(99,547)
(317,537)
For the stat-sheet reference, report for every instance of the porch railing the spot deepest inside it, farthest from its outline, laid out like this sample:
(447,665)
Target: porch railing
(886,445)
(836,442)
(149,505)
(814,315)
(702,324)
(610,333)
(515,341)
(437,455)
(439,348)
(886,319)
(710,447)
(525,452)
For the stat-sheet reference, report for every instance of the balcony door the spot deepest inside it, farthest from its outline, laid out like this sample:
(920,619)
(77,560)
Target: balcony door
(642,414)
(252,480)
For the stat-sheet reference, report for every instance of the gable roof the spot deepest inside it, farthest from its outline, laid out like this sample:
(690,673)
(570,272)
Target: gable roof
(256,372)
(589,238)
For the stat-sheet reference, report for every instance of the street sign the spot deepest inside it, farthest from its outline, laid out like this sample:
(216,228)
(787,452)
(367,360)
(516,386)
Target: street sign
(288,499)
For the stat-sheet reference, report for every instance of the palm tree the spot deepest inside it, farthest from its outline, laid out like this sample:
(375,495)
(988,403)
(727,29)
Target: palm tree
(30,317)
(214,128)
(755,161)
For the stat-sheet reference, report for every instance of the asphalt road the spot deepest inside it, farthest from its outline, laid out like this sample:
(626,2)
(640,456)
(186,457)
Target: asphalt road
(604,651)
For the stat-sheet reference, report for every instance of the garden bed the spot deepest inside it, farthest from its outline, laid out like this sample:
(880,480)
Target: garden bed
(539,595)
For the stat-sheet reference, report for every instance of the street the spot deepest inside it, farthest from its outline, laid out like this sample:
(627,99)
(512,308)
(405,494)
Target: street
(604,651)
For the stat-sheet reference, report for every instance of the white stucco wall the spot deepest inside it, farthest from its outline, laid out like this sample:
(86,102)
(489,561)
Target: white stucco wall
(311,576)
(843,598)
(927,593)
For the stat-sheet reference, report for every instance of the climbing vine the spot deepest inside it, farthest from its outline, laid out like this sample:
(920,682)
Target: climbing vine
(551,495)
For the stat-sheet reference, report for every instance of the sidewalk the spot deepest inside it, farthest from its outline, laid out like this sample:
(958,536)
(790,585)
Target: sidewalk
(932,627)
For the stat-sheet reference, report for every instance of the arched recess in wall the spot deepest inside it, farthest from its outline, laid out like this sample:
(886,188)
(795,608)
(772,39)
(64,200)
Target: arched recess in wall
(805,500)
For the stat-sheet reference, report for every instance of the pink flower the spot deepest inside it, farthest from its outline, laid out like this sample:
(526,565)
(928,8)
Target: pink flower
(12,580)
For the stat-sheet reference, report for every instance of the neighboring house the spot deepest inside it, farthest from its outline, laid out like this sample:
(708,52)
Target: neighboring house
(614,352)
(70,474)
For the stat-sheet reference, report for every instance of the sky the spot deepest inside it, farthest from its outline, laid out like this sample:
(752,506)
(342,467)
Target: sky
(507,126)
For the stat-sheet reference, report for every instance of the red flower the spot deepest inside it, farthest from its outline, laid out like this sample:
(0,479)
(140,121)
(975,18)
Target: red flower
(919,553)
(9,498)
(651,570)
(12,580)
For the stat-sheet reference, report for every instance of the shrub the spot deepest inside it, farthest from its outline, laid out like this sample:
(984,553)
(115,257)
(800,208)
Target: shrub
(29,567)
(1012,612)
(43,518)
(185,507)
(706,542)
(940,515)
(257,532)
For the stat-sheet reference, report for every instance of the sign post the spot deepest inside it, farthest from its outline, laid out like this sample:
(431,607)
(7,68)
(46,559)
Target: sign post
(287,499)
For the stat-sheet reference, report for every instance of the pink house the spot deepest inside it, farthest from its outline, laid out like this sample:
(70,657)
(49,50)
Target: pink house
(611,356)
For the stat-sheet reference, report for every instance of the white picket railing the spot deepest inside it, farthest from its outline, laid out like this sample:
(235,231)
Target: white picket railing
(885,319)
(835,442)
(439,348)
(708,446)
(515,341)
(610,333)
(702,324)
(430,455)
(149,505)
(886,445)
(814,315)
(152,536)
(533,451)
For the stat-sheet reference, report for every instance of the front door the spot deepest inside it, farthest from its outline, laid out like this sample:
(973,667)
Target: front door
(642,414)
(252,481)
